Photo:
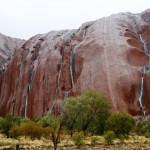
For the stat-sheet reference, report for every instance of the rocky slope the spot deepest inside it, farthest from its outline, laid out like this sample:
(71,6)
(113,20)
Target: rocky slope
(107,55)
(7,49)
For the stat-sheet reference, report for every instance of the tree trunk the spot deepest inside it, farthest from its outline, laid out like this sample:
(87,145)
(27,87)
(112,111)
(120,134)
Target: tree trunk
(17,147)
(71,133)
(55,145)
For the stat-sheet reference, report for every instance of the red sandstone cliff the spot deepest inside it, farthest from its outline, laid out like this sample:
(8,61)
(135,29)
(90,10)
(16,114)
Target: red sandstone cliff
(105,55)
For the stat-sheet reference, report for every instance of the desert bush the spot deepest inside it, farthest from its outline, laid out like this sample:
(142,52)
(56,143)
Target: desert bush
(109,137)
(139,128)
(78,139)
(31,129)
(143,128)
(121,123)
(45,121)
(7,123)
(147,134)
(47,132)
(15,132)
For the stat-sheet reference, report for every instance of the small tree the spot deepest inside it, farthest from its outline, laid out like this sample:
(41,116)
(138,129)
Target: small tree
(72,110)
(121,123)
(95,104)
(52,127)
(83,112)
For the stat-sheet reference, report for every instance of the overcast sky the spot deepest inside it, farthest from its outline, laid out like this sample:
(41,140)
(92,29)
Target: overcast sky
(26,18)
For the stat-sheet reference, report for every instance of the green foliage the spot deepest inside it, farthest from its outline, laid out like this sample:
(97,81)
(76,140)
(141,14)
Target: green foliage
(87,112)
(24,120)
(52,127)
(78,139)
(120,123)
(143,128)
(140,128)
(7,123)
(5,126)
(146,128)
(147,134)
(72,110)
(109,137)
(45,121)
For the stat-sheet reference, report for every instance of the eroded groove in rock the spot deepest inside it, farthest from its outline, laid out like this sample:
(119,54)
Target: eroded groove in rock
(72,55)
(144,70)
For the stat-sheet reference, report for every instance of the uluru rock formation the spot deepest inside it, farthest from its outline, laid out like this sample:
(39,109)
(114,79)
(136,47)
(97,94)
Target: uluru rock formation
(110,55)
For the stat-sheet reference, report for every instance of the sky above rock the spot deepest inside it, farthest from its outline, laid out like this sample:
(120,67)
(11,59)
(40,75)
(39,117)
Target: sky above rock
(26,18)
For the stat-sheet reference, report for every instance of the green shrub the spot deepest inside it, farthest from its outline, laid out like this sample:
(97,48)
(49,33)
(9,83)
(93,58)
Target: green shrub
(7,123)
(78,139)
(147,134)
(109,137)
(121,123)
(143,128)
(5,126)
(45,121)
(140,129)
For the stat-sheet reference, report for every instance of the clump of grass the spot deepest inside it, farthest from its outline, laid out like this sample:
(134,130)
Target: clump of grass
(78,139)
(109,137)
(94,140)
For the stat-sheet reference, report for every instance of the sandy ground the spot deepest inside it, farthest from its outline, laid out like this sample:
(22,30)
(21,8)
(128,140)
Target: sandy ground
(132,143)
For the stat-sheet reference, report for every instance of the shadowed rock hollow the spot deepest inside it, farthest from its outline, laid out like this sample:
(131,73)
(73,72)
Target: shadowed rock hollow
(106,55)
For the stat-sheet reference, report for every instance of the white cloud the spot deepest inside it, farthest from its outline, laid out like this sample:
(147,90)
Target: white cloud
(25,18)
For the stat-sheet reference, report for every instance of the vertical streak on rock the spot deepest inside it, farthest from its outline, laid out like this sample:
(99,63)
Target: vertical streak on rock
(54,107)
(144,45)
(66,94)
(20,75)
(141,99)
(26,106)
(29,87)
(144,70)
(72,67)
(58,80)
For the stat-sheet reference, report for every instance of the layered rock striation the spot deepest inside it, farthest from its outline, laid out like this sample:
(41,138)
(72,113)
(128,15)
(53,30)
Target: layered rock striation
(110,55)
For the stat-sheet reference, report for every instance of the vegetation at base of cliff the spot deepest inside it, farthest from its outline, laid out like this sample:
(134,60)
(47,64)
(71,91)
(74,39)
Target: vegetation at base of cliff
(120,123)
(88,114)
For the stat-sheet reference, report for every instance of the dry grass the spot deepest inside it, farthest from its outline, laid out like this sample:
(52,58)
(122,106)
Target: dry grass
(132,143)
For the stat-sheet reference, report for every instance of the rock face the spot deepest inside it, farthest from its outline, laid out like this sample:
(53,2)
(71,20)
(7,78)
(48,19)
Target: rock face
(107,55)
(7,49)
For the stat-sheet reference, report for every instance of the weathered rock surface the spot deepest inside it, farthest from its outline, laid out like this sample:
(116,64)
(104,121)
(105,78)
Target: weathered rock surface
(7,49)
(105,55)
